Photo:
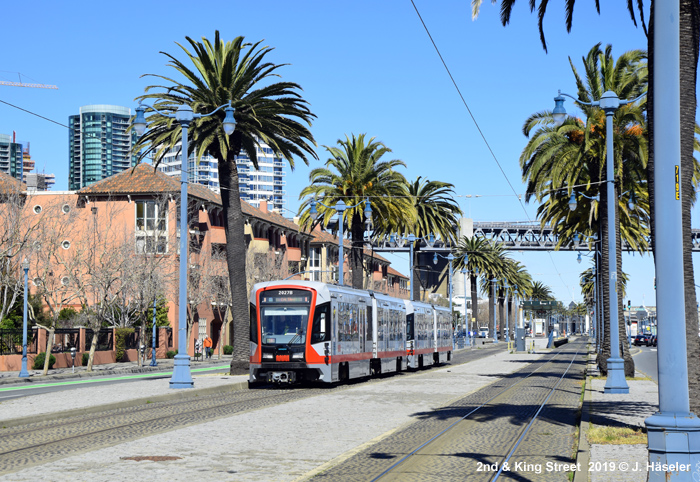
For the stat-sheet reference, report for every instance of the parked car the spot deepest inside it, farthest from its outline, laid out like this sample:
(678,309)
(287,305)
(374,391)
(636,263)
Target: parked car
(652,340)
(641,339)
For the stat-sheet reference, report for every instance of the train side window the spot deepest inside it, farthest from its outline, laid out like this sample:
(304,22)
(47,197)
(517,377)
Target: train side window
(253,323)
(320,330)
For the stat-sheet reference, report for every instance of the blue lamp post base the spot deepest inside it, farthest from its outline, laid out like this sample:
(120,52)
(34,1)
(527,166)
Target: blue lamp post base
(616,382)
(181,373)
(23,373)
(674,446)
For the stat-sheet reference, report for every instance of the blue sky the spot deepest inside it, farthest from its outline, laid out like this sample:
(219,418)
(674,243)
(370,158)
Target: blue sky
(365,67)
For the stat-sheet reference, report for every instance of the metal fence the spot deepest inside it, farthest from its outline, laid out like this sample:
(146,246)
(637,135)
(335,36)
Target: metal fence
(105,340)
(64,339)
(131,340)
(11,341)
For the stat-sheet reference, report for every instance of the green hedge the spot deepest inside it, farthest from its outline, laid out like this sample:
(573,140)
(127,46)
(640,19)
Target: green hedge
(86,357)
(171,353)
(39,361)
(228,350)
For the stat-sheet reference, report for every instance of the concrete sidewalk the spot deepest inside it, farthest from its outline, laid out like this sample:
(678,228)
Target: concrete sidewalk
(615,463)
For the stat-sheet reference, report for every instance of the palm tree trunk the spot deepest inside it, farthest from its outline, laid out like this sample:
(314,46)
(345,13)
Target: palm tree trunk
(473,326)
(689,22)
(416,284)
(501,313)
(492,310)
(236,247)
(621,325)
(604,352)
(357,233)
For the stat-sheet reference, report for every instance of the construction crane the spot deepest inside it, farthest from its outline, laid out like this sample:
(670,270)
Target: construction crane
(22,84)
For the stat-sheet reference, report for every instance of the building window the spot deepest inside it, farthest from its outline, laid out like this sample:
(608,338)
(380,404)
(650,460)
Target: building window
(315,264)
(151,228)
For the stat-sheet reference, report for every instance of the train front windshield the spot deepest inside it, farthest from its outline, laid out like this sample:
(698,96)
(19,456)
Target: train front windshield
(284,316)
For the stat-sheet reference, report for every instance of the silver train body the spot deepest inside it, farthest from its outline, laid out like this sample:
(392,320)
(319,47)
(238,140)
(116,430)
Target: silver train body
(312,331)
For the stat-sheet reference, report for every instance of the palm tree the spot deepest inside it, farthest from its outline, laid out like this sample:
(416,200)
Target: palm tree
(435,212)
(494,273)
(557,158)
(265,111)
(540,291)
(474,254)
(689,26)
(518,279)
(355,171)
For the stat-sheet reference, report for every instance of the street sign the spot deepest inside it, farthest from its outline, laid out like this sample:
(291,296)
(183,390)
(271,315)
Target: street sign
(540,305)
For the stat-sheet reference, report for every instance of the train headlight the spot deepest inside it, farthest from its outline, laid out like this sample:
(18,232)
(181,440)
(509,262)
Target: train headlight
(268,356)
(298,355)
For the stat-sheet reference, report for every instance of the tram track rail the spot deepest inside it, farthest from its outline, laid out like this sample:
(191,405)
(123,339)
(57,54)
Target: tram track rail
(42,442)
(479,413)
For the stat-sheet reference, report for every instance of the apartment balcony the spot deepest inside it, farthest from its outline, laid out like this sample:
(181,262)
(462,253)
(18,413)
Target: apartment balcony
(279,182)
(278,164)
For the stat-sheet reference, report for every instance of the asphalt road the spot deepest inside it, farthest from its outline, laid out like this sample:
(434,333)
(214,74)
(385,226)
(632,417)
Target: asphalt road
(646,362)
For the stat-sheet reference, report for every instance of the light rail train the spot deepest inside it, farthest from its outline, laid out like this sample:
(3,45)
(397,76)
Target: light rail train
(312,331)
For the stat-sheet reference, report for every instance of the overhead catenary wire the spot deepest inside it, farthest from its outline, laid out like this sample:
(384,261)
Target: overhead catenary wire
(483,137)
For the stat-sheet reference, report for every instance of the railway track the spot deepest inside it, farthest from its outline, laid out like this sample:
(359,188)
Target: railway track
(38,443)
(514,429)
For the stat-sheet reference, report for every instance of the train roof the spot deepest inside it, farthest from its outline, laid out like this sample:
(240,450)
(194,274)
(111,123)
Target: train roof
(324,290)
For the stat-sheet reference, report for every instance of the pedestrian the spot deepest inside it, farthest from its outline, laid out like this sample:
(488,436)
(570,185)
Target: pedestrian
(207,346)
(197,347)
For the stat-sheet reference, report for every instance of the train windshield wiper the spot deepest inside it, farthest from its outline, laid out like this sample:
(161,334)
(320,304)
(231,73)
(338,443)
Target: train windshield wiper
(299,334)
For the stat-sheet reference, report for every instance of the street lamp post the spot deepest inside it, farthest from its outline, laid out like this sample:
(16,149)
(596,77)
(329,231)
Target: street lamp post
(495,311)
(181,377)
(674,431)
(154,363)
(23,373)
(609,102)
(340,208)
(464,274)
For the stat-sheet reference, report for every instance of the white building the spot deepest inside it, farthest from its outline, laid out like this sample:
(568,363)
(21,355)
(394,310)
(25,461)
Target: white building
(264,184)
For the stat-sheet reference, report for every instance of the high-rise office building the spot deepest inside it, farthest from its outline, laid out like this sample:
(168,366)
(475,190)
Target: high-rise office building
(264,184)
(98,144)
(11,161)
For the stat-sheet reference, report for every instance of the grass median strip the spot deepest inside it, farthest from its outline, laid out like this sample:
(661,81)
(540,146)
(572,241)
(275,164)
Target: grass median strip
(96,379)
(606,435)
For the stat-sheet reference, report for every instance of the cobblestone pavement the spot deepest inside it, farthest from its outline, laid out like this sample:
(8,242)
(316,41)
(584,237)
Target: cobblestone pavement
(282,441)
(471,447)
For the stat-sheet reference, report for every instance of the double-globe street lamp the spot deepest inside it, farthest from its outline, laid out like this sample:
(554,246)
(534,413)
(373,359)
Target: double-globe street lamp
(23,373)
(340,208)
(181,377)
(609,102)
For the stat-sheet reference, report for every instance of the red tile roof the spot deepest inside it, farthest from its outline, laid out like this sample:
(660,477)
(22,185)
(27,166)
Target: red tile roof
(269,216)
(393,272)
(144,179)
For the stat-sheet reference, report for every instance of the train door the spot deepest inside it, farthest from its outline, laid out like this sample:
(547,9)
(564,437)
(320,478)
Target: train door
(372,312)
(334,324)
(362,322)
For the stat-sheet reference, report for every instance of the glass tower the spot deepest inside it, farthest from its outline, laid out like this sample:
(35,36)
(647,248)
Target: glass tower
(11,161)
(98,144)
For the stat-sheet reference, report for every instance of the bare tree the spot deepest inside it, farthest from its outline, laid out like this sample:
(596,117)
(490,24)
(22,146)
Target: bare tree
(57,259)
(17,228)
